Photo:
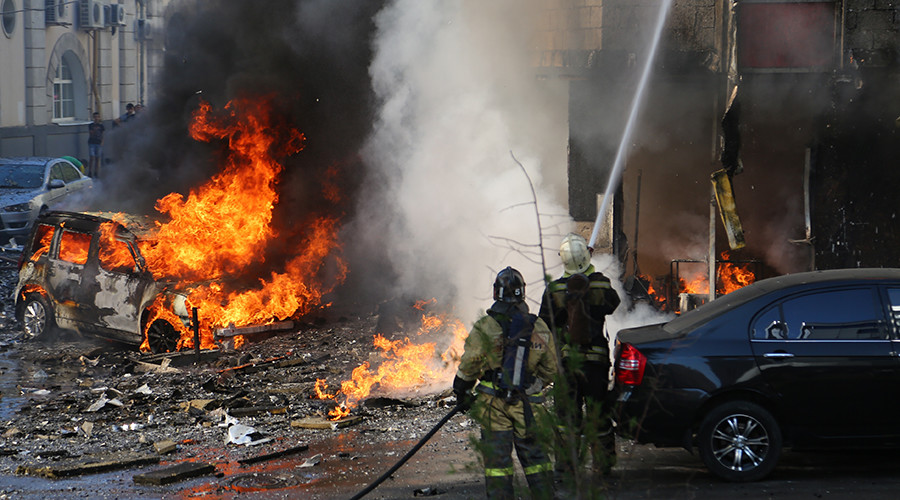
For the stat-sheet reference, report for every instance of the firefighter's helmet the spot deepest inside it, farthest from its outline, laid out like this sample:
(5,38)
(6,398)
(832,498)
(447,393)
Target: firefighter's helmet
(576,255)
(509,286)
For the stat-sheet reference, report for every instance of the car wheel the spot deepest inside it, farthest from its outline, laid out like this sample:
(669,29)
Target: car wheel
(37,316)
(739,441)
(162,337)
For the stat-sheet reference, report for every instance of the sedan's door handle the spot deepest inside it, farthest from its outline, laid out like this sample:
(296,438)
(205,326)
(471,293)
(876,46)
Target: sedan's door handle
(778,355)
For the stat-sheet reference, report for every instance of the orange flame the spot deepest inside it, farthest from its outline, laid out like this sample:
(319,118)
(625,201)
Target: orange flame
(160,309)
(729,277)
(73,247)
(234,206)
(321,386)
(659,299)
(405,365)
(219,229)
(43,237)
(733,276)
(114,254)
(698,284)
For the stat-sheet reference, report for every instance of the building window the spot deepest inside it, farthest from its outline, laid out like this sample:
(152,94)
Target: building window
(786,36)
(63,92)
(9,17)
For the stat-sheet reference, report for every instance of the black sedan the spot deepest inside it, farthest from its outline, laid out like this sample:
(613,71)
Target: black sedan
(807,360)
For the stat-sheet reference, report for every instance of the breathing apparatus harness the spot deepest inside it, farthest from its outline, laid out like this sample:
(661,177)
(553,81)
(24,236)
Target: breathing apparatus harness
(511,380)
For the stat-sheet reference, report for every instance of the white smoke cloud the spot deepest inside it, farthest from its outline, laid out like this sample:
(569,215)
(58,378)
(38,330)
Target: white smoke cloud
(457,94)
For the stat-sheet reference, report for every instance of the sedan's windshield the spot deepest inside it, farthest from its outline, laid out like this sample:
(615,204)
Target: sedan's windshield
(21,176)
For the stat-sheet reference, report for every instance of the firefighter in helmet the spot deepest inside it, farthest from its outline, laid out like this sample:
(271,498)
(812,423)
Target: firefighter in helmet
(505,352)
(576,305)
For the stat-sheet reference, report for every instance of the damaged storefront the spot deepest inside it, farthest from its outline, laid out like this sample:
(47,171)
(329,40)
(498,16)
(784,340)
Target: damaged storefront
(794,100)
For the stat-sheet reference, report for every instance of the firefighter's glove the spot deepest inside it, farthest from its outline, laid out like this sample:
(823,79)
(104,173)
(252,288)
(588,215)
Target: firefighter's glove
(463,391)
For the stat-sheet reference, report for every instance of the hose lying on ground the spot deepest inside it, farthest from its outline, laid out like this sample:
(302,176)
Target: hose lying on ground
(408,455)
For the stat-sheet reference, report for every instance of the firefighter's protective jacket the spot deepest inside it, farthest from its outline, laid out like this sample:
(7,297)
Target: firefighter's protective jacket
(602,300)
(484,348)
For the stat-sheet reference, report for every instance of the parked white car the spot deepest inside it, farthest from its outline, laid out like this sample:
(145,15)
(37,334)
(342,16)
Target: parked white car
(32,186)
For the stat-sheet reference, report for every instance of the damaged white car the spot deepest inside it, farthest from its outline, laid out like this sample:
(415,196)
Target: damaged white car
(84,272)
(32,186)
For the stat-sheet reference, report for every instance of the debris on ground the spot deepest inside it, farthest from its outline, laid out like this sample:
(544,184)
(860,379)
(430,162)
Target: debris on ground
(175,473)
(67,402)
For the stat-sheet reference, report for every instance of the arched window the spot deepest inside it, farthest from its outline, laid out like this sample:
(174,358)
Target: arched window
(67,84)
(63,92)
(8,17)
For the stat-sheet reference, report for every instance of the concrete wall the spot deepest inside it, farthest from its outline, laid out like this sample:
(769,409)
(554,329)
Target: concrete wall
(12,83)
(572,33)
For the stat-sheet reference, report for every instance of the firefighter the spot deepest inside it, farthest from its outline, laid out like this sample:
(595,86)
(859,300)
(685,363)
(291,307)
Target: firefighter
(576,305)
(507,352)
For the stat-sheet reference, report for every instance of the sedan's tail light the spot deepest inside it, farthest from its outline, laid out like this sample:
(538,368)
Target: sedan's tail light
(630,365)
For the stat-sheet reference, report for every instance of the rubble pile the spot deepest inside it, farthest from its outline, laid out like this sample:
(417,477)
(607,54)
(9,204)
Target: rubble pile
(68,399)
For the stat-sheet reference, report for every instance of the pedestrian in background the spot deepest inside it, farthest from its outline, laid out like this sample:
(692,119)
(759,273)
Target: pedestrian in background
(95,145)
(127,116)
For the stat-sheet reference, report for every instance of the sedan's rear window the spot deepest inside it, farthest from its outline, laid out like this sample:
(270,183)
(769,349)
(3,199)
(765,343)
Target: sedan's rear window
(21,176)
(850,314)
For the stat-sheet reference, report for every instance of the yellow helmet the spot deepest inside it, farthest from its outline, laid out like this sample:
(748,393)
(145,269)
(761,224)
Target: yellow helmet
(576,255)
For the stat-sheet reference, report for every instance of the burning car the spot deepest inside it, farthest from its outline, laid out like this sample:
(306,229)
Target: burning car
(85,272)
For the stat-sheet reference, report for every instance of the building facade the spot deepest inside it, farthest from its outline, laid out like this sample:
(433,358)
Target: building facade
(62,60)
(798,99)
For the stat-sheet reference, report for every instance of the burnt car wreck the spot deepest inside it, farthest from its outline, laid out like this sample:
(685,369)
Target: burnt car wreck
(84,272)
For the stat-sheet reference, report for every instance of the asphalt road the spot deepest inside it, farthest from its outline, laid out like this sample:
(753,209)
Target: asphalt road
(448,467)
(649,472)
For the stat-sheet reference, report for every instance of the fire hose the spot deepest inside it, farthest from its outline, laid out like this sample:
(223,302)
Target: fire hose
(408,455)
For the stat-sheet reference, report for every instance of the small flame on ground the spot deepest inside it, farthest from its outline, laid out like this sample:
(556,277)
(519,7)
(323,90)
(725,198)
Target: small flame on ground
(404,365)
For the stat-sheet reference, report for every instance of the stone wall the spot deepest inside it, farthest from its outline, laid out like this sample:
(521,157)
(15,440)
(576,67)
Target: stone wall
(872,31)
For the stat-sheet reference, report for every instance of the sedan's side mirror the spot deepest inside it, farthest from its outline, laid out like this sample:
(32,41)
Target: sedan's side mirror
(57,183)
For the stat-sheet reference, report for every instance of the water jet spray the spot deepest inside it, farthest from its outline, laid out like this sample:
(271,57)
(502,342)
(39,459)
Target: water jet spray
(619,163)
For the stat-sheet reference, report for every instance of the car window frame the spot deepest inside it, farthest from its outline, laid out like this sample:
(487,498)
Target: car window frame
(72,171)
(35,248)
(59,246)
(892,311)
(55,173)
(101,263)
(878,294)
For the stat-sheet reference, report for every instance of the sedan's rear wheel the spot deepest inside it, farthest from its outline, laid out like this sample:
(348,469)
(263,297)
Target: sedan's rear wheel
(162,337)
(37,316)
(739,441)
